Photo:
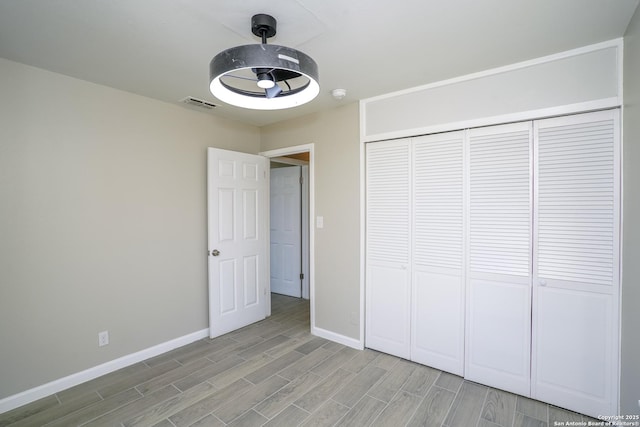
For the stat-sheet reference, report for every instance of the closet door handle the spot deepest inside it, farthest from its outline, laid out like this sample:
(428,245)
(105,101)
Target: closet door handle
(215,252)
(542,282)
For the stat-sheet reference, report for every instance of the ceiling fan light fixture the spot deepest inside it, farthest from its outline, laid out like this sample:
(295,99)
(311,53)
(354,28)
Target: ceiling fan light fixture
(265,81)
(262,76)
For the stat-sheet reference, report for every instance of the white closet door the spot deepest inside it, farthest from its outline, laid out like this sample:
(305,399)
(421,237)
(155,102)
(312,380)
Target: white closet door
(576,258)
(388,275)
(437,332)
(286,231)
(498,321)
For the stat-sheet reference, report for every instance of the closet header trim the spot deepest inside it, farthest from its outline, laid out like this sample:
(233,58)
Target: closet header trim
(580,80)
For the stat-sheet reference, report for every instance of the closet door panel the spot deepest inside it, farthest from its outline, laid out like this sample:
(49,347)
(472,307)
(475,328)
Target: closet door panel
(438,321)
(388,225)
(498,321)
(577,199)
(499,334)
(388,296)
(576,259)
(437,336)
(573,350)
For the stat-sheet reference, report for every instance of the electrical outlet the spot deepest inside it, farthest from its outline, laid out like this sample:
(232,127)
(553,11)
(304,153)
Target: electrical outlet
(103,338)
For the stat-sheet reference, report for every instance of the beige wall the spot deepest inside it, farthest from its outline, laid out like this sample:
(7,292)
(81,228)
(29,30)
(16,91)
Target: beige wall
(335,135)
(630,378)
(102,222)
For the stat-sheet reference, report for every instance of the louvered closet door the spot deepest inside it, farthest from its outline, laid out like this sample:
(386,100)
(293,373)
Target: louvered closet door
(388,275)
(498,321)
(437,323)
(576,256)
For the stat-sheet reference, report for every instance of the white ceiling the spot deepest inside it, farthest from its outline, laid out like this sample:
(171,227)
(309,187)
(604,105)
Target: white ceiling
(162,48)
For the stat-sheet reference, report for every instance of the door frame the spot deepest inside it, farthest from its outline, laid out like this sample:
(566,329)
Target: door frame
(279,152)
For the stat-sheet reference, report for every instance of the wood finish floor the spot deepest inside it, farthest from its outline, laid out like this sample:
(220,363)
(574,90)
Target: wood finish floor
(274,373)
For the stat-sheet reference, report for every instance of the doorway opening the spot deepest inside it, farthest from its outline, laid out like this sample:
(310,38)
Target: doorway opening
(289,227)
(292,269)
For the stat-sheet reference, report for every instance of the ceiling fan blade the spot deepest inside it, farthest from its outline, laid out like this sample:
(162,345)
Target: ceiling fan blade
(272,92)
(241,77)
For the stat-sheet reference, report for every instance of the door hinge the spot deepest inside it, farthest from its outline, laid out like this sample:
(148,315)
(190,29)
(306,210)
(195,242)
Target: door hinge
(301,276)
(301,180)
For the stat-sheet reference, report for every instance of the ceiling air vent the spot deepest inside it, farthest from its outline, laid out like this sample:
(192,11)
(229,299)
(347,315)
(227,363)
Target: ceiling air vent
(198,103)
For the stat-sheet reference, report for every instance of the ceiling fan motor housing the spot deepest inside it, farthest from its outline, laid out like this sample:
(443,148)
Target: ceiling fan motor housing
(277,58)
(263,25)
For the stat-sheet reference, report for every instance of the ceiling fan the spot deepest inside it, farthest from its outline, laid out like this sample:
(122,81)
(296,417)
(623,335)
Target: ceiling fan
(263,76)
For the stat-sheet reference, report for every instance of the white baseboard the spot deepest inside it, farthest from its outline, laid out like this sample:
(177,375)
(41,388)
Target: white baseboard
(340,339)
(31,395)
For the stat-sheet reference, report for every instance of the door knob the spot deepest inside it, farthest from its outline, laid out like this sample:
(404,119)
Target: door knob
(215,252)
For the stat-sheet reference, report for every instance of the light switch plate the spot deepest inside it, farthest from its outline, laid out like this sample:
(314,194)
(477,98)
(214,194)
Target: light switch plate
(320,222)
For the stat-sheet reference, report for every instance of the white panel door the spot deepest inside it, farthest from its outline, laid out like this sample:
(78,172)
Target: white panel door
(388,224)
(286,228)
(576,258)
(238,221)
(498,320)
(437,321)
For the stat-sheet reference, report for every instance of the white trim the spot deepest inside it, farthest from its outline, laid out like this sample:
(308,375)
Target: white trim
(340,339)
(543,113)
(363,252)
(617,293)
(620,53)
(363,228)
(618,300)
(526,115)
(31,395)
(279,152)
(620,263)
(287,151)
(363,120)
(507,68)
(289,161)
